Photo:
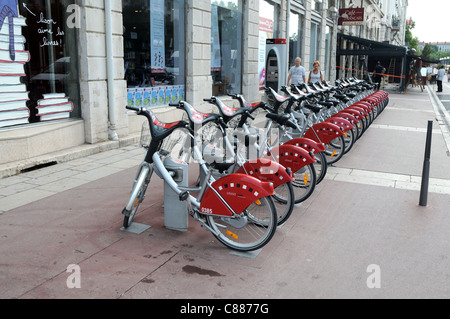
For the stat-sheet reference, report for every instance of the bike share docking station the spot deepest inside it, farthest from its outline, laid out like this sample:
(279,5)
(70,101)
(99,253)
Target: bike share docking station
(276,63)
(176,211)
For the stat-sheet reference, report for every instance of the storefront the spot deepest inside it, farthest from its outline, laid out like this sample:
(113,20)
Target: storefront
(154,41)
(74,65)
(38,62)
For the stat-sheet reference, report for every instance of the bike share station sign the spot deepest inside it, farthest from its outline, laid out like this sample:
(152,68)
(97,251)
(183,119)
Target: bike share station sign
(276,65)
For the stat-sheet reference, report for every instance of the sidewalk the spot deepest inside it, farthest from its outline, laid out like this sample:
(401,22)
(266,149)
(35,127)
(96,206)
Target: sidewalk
(364,213)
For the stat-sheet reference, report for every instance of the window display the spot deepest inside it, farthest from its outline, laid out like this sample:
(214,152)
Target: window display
(38,76)
(154,45)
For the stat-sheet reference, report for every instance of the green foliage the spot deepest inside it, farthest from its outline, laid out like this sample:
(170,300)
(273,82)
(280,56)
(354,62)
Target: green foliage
(413,42)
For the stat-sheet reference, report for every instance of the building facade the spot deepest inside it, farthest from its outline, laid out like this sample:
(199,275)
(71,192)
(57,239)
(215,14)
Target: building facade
(83,61)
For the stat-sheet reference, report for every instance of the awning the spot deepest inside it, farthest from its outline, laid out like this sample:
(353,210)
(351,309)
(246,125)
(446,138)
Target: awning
(412,56)
(370,48)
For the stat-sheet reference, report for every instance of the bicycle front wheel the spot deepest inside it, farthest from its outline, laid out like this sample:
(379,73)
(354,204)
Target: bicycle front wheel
(137,195)
(254,228)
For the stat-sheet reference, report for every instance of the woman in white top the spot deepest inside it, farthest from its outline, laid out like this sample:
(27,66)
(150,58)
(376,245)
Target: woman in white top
(315,75)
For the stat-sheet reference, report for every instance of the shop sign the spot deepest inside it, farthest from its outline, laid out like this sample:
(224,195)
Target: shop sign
(351,16)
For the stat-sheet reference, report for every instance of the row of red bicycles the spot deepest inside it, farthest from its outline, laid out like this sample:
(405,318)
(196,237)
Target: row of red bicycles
(259,159)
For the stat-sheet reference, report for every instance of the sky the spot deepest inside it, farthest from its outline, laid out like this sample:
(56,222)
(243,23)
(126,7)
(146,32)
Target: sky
(431,17)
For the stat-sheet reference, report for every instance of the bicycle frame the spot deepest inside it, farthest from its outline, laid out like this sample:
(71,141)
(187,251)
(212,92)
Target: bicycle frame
(208,188)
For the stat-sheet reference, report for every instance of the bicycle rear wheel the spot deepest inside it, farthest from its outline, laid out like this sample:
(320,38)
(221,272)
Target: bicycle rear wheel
(349,139)
(321,166)
(304,183)
(335,150)
(283,199)
(253,230)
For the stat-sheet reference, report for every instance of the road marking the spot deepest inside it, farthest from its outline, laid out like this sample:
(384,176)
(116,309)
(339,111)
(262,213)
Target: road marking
(404,128)
(397,181)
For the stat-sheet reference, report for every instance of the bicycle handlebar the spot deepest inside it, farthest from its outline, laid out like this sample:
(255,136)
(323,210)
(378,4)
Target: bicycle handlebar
(133,108)
(210,100)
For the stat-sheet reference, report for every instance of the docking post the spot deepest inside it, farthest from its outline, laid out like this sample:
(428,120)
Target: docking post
(426,167)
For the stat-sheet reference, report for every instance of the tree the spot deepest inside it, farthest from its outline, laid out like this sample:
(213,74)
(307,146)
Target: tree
(411,41)
(429,51)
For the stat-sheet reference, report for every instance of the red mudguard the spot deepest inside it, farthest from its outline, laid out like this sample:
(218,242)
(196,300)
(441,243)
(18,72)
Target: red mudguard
(346,116)
(360,109)
(365,105)
(307,144)
(324,132)
(355,113)
(266,171)
(238,190)
(342,123)
(291,156)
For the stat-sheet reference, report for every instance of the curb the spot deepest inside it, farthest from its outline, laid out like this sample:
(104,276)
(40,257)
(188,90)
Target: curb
(442,116)
(15,168)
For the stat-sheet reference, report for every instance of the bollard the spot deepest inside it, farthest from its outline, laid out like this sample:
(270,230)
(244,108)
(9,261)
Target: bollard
(426,167)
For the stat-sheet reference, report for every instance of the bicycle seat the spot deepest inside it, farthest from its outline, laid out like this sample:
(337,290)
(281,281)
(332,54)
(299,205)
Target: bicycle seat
(281,119)
(315,108)
(327,104)
(335,102)
(197,117)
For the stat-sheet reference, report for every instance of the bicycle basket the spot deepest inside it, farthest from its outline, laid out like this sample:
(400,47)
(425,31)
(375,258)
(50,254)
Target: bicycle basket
(175,141)
(146,136)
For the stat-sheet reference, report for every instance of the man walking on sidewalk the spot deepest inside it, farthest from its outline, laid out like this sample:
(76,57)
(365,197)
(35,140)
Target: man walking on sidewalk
(440,78)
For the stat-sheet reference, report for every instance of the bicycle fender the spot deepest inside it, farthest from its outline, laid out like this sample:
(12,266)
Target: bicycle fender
(267,171)
(324,132)
(352,112)
(346,116)
(291,156)
(307,144)
(237,190)
(361,110)
(364,105)
(369,103)
(342,123)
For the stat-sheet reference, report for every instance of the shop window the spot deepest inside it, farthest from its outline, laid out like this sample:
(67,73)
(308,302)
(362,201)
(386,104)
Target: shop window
(226,46)
(327,62)
(295,35)
(314,45)
(268,22)
(154,45)
(38,63)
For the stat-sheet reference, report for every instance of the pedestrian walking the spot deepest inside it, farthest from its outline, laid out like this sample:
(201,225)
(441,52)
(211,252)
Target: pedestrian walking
(297,74)
(440,78)
(316,74)
(378,74)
